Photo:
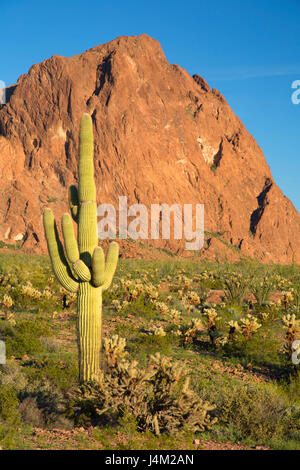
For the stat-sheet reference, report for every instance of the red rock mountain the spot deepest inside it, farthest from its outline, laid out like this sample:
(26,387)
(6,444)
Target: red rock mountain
(160,136)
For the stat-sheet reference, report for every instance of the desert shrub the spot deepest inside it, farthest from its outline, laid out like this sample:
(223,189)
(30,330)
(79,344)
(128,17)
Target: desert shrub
(22,267)
(23,338)
(50,344)
(203,293)
(256,412)
(61,373)
(9,405)
(235,288)
(159,398)
(140,307)
(251,350)
(43,403)
(296,307)
(262,288)
(30,413)
(151,344)
(126,437)
(11,374)
(9,416)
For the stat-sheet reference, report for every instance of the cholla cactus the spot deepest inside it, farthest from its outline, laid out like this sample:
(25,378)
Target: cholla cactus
(175,315)
(161,307)
(191,332)
(4,279)
(134,294)
(290,321)
(191,298)
(233,328)
(132,289)
(114,350)
(212,317)
(157,331)
(151,293)
(175,406)
(160,397)
(47,292)
(81,268)
(222,340)
(287,299)
(180,293)
(183,284)
(282,283)
(249,325)
(30,291)
(292,327)
(8,303)
(264,316)
(204,276)
(117,305)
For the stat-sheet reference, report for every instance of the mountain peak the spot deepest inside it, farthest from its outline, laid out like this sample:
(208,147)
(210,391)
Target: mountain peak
(160,136)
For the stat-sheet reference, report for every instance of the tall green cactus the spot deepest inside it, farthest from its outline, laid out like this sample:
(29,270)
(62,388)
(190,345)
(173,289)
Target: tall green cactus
(81,267)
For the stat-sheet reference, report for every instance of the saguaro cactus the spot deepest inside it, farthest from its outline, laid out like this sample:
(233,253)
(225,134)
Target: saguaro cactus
(81,267)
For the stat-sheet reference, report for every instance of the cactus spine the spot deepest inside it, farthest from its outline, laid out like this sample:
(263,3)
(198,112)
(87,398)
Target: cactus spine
(81,266)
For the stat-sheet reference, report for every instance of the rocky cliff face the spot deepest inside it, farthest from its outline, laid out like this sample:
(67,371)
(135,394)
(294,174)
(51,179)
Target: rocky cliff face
(160,136)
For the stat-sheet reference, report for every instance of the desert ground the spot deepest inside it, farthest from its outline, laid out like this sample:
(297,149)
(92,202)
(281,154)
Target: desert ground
(229,327)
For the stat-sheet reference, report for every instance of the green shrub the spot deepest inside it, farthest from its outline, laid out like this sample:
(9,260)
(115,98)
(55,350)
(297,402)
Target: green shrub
(151,344)
(12,374)
(262,288)
(30,413)
(235,288)
(254,411)
(9,403)
(252,350)
(23,338)
(61,373)
(43,403)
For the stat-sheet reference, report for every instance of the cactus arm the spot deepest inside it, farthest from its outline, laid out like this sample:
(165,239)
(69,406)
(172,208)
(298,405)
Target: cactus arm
(60,265)
(72,251)
(98,267)
(74,202)
(111,264)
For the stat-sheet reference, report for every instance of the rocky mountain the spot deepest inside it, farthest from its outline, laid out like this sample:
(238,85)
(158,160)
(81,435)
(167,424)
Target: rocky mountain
(161,136)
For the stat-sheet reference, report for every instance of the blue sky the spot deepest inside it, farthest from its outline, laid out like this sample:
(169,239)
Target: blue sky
(247,49)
